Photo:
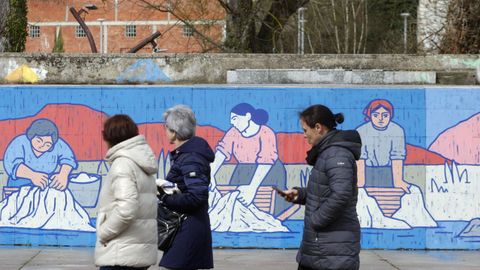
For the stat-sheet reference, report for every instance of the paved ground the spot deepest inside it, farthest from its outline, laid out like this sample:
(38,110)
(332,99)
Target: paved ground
(246,259)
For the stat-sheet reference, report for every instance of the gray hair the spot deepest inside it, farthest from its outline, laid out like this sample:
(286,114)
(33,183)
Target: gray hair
(42,127)
(181,120)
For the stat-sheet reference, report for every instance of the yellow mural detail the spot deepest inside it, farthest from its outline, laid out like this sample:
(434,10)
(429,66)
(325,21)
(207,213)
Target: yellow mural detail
(23,74)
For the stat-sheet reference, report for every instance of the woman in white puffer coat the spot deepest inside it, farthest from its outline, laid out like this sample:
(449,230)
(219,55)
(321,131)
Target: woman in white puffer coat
(127,210)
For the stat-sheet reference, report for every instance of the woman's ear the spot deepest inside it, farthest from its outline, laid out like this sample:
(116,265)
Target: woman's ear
(318,128)
(249,116)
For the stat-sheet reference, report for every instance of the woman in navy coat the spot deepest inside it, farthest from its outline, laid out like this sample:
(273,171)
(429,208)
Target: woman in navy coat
(190,170)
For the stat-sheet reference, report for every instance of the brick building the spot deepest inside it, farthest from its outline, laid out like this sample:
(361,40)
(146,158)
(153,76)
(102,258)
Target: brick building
(123,24)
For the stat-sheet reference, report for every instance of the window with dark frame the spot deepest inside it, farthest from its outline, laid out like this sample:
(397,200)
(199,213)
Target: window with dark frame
(34,31)
(79,32)
(130,30)
(187,31)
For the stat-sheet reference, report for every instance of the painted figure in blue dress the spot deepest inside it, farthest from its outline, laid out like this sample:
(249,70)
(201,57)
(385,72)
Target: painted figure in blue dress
(38,164)
(32,158)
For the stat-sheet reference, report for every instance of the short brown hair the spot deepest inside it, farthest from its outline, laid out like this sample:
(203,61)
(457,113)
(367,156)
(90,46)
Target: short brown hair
(119,128)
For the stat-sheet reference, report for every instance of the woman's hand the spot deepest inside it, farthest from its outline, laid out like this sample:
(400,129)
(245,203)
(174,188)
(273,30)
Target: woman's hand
(404,186)
(290,195)
(59,181)
(247,194)
(39,179)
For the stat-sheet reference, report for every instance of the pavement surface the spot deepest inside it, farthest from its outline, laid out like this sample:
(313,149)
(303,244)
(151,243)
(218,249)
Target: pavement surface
(40,258)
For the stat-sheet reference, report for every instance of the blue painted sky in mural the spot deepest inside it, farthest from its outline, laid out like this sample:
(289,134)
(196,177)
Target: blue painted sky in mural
(213,103)
(446,109)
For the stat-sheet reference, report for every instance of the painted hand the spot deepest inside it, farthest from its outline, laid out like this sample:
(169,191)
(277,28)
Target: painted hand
(59,182)
(403,185)
(39,179)
(247,194)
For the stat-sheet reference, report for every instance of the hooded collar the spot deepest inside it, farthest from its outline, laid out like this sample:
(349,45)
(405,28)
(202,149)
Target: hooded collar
(137,150)
(195,145)
(349,139)
(317,149)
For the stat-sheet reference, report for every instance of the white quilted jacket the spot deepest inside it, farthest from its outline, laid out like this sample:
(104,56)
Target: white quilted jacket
(127,210)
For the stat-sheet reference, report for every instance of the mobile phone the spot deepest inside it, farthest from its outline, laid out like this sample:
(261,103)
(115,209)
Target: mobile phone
(281,192)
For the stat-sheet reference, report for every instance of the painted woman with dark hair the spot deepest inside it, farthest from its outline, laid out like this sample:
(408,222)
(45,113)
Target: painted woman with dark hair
(254,146)
(32,159)
(38,164)
(383,148)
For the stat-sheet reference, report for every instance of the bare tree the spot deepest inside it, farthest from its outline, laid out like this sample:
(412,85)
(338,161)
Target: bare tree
(251,25)
(332,26)
(462,30)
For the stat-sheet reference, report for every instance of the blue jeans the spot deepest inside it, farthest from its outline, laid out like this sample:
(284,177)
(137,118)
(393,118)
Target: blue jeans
(116,267)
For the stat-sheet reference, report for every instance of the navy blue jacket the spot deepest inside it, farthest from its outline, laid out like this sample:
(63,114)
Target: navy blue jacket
(190,170)
(331,235)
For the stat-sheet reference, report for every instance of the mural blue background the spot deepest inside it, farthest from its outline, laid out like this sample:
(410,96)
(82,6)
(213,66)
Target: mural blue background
(423,112)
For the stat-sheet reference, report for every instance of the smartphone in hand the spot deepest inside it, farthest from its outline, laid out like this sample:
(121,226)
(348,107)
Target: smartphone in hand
(281,192)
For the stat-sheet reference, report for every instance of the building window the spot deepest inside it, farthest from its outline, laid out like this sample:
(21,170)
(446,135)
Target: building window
(130,30)
(34,31)
(187,31)
(79,32)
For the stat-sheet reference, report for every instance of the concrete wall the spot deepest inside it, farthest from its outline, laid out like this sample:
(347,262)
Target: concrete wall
(432,131)
(211,68)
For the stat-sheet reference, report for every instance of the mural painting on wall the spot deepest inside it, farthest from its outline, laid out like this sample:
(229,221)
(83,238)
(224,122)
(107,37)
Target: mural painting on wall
(386,200)
(53,167)
(39,165)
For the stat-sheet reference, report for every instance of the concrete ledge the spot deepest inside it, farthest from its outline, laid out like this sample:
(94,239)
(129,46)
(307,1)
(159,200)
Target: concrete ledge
(212,68)
(335,76)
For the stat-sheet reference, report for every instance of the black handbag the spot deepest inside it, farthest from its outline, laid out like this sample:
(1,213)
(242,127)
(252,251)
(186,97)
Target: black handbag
(168,224)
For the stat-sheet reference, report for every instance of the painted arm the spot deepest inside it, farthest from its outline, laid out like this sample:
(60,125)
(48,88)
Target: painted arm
(247,192)
(361,173)
(38,179)
(397,170)
(67,162)
(60,179)
(398,155)
(214,167)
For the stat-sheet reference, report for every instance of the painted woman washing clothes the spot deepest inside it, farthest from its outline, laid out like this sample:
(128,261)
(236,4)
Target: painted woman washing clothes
(383,148)
(32,159)
(254,146)
(38,164)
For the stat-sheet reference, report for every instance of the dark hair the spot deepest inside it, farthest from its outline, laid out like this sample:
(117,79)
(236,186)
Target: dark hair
(42,127)
(259,116)
(119,128)
(321,114)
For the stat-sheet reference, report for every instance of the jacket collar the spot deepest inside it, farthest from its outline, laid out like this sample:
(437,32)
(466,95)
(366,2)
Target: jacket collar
(312,155)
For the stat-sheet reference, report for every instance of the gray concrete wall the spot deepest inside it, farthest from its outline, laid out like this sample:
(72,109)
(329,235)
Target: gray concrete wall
(205,68)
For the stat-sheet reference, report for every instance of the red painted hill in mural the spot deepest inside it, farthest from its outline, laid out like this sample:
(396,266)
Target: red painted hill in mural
(80,126)
(293,147)
(460,142)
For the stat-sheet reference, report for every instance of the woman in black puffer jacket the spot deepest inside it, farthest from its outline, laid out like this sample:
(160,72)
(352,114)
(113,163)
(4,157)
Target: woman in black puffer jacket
(331,236)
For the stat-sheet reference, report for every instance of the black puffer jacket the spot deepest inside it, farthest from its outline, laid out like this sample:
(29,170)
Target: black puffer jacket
(331,236)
